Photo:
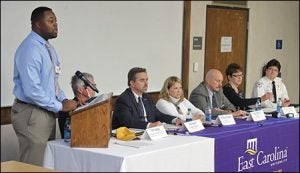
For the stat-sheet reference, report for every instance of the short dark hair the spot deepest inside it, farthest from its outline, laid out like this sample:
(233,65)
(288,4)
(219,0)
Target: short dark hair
(132,72)
(38,13)
(273,62)
(232,68)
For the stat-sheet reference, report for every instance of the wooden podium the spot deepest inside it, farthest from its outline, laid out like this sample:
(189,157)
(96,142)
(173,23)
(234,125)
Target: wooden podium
(91,125)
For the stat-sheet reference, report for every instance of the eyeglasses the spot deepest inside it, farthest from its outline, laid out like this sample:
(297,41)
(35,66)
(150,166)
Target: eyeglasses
(237,75)
(275,69)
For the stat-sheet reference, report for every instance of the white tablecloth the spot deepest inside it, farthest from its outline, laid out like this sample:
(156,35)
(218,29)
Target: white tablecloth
(172,153)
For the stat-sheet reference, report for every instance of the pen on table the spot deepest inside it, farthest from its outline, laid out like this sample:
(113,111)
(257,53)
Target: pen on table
(126,145)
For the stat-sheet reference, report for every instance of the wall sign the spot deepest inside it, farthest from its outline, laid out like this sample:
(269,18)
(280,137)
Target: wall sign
(197,43)
(226,44)
(278,44)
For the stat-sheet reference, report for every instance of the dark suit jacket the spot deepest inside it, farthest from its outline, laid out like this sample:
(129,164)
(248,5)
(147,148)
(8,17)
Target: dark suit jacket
(200,98)
(126,112)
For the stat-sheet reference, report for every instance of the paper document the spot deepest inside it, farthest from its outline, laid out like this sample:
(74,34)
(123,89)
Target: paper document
(266,110)
(173,127)
(96,100)
(137,131)
(269,110)
(134,144)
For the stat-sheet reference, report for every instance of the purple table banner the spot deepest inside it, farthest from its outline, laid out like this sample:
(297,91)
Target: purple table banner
(269,145)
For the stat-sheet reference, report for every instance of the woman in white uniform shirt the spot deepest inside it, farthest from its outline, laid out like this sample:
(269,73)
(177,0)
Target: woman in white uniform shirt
(171,101)
(265,84)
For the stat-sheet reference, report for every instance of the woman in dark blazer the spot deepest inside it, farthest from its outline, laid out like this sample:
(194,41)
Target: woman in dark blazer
(234,74)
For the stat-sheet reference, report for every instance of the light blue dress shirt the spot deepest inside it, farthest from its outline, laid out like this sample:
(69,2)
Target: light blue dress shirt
(34,74)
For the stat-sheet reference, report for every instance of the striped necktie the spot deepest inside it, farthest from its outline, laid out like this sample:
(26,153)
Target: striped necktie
(142,113)
(56,85)
(214,102)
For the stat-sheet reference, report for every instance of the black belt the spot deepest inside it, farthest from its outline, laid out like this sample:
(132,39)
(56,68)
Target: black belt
(20,101)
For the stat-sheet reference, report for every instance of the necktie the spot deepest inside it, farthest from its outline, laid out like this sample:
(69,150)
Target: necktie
(140,103)
(214,102)
(56,85)
(274,92)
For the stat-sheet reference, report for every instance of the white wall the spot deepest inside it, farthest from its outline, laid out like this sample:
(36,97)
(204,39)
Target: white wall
(268,21)
(198,24)
(101,37)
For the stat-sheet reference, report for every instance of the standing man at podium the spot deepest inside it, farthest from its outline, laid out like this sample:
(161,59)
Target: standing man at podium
(135,109)
(38,97)
(82,95)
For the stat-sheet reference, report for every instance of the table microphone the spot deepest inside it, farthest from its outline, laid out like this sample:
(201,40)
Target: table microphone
(86,81)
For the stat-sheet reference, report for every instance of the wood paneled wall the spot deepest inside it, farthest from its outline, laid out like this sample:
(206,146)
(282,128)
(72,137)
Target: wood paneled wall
(5,115)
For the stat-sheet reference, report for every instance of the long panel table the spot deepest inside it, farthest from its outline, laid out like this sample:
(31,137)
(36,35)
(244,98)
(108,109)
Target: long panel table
(266,146)
(171,153)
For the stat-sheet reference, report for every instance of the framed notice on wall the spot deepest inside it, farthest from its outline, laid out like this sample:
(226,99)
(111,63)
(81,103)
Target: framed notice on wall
(226,44)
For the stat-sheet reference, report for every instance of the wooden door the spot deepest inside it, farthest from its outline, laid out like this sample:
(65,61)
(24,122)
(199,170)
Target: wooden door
(226,23)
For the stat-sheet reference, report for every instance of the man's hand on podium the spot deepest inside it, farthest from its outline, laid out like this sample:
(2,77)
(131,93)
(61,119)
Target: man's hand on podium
(69,105)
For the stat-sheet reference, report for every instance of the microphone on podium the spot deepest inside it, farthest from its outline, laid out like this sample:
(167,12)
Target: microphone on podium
(86,81)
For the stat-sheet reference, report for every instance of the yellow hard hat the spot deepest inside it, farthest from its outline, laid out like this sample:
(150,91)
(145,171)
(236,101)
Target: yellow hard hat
(124,134)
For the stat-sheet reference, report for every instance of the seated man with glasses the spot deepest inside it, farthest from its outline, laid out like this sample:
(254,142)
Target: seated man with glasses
(234,74)
(82,94)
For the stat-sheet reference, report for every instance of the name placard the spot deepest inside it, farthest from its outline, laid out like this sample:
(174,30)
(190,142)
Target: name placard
(256,116)
(194,126)
(155,133)
(289,110)
(225,120)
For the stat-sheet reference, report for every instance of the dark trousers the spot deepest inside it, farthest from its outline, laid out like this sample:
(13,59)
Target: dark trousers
(62,116)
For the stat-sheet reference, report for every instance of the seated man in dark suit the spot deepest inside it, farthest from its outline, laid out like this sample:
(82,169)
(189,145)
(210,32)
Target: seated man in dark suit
(82,95)
(135,109)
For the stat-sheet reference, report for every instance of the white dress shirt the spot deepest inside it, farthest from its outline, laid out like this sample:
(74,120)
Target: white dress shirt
(264,85)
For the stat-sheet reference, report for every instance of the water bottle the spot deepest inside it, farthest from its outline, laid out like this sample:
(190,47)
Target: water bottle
(189,116)
(258,105)
(208,114)
(67,130)
(278,110)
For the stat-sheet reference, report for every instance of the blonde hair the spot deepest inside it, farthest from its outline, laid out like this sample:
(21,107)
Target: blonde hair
(169,82)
